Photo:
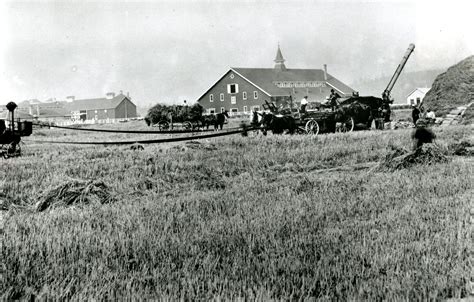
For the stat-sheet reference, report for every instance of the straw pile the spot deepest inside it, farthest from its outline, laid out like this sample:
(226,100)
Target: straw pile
(400,158)
(75,192)
(452,88)
(463,148)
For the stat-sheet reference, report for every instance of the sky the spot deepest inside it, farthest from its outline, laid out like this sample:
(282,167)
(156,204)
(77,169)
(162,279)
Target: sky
(171,51)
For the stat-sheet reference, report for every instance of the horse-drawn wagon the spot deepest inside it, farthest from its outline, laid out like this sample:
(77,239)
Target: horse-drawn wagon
(186,117)
(341,114)
(169,117)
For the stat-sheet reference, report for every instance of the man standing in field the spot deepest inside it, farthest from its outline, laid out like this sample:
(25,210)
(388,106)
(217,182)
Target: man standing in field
(422,135)
(415,114)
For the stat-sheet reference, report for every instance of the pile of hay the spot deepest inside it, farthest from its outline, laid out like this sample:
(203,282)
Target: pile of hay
(400,158)
(463,148)
(75,192)
(452,88)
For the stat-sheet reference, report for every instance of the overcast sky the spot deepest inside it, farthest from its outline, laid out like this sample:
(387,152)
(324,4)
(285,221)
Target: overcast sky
(169,51)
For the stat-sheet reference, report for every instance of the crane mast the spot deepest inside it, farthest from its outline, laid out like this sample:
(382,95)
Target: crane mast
(393,80)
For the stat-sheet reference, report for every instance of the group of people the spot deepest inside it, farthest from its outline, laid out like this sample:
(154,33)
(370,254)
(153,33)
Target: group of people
(419,112)
(331,101)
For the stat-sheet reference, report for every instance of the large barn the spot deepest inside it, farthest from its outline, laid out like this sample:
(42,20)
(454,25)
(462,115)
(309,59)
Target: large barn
(244,89)
(109,108)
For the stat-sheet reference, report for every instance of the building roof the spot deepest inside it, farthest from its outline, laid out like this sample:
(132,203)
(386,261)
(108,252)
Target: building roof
(264,78)
(94,104)
(5,115)
(423,90)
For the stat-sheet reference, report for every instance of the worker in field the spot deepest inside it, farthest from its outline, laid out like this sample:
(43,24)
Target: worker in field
(422,134)
(333,99)
(415,114)
(304,103)
(430,116)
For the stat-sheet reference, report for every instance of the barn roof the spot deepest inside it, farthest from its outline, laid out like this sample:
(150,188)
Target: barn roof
(265,78)
(94,104)
(423,90)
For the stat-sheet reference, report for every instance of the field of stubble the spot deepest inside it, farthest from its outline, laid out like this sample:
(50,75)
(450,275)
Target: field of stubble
(238,217)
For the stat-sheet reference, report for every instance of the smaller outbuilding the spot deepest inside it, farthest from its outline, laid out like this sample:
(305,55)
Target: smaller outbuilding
(417,95)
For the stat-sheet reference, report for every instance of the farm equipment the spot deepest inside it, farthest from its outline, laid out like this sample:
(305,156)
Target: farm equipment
(349,113)
(10,137)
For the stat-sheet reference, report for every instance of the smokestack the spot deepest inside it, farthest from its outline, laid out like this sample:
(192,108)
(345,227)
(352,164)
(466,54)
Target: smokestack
(325,72)
(121,91)
(110,95)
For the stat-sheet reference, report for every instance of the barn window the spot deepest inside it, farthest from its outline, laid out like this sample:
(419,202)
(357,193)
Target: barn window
(244,95)
(222,109)
(255,95)
(211,98)
(418,101)
(222,97)
(211,110)
(233,88)
(245,109)
(233,99)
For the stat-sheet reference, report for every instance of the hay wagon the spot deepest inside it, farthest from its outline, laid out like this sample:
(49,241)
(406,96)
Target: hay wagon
(176,116)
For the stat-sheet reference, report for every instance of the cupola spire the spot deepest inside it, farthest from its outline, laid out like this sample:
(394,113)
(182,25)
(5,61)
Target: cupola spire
(279,61)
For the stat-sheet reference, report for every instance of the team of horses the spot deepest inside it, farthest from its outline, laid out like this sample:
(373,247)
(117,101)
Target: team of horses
(362,110)
(216,120)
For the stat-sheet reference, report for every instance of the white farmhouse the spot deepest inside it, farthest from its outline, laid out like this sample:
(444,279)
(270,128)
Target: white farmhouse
(416,96)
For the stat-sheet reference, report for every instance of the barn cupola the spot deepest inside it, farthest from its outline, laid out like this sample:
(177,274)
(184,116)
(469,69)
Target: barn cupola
(279,61)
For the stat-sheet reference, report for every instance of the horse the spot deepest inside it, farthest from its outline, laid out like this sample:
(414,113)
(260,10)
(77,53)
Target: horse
(208,120)
(220,120)
(278,124)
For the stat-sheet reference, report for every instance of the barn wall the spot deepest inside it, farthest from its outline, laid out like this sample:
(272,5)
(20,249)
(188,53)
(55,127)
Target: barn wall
(243,85)
(102,114)
(126,109)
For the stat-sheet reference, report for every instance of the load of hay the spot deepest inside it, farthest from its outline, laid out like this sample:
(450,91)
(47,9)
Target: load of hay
(452,88)
(75,192)
(400,158)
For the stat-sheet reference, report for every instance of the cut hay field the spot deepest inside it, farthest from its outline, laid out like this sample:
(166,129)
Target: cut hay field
(276,217)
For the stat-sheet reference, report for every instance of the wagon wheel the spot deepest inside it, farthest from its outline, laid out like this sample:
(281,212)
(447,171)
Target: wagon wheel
(187,125)
(346,126)
(312,127)
(163,125)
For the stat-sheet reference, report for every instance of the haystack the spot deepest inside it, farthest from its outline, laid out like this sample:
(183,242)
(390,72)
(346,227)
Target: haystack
(75,192)
(400,158)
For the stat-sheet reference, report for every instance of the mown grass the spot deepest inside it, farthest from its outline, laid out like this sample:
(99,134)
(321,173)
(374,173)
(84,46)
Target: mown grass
(258,218)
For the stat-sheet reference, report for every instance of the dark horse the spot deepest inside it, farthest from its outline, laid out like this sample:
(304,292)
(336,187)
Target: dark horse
(220,120)
(278,124)
(217,120)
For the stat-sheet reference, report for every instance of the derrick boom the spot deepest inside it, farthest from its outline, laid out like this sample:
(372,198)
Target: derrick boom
(392,82)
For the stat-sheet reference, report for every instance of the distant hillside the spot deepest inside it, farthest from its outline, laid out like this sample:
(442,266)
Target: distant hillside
(453,88)
(405,84)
